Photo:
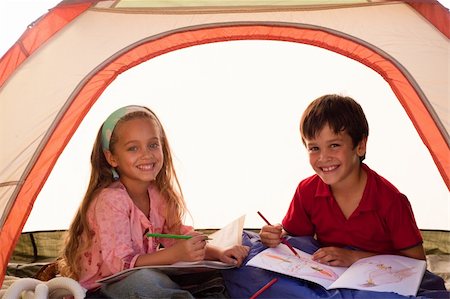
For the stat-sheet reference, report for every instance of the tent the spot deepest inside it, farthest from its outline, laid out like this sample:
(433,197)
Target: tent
(406,42)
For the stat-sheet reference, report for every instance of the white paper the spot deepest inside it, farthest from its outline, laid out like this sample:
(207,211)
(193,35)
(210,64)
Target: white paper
(229,235)
(382,273)
(282,260)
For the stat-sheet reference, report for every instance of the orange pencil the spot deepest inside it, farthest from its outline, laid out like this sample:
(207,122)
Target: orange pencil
(283,240)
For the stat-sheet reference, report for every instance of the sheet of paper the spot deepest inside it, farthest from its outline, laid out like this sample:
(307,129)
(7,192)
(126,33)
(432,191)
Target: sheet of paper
(280,259)
(229,235)
(384,273)
(381,273)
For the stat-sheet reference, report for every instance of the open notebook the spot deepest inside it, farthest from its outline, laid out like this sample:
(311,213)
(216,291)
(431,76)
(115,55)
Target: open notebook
(227,236)
(383,273)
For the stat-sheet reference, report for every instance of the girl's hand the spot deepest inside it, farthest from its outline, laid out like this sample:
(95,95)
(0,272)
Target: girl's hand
(190,250)
(271,235)
(335,256)
(234,254)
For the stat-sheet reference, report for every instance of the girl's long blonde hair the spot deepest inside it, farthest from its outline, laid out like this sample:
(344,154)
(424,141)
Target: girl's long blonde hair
(78,235)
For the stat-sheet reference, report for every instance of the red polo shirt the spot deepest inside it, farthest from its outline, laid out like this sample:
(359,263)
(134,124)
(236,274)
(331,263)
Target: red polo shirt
(383,222)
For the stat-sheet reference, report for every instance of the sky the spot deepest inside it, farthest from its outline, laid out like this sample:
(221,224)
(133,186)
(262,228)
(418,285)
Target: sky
(237,165)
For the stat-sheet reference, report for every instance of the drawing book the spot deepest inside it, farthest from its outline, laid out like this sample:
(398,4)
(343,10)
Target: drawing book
(229,235)
(173,269)
(382,273)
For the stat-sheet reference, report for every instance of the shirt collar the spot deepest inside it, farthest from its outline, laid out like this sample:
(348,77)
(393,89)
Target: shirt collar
(323,190)
(367,202)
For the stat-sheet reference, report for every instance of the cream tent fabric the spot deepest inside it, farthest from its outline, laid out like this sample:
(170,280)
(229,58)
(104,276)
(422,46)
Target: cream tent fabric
(48,82)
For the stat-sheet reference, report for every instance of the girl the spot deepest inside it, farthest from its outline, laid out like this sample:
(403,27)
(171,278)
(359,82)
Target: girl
(133,190)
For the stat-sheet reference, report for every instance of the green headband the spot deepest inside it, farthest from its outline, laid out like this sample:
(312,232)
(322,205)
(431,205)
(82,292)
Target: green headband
(111,122)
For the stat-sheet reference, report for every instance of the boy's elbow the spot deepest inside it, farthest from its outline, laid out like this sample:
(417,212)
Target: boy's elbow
(416,252)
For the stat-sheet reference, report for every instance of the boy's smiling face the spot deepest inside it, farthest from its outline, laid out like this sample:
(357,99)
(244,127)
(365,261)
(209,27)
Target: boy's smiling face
(334,157)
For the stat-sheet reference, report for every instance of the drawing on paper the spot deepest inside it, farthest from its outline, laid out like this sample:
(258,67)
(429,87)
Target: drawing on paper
(293,265)
(393,273)
(381,274)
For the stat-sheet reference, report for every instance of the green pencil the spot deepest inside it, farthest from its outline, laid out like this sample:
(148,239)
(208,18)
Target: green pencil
(154,235)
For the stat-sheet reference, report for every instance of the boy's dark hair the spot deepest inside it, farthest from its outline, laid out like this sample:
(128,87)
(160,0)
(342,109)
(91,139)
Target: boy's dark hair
(340,113)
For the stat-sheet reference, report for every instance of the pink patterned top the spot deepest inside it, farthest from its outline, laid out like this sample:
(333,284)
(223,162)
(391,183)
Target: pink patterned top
(118,230)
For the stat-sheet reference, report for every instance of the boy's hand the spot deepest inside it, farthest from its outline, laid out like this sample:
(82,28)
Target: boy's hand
(271,235)
(234,255)
(335,256)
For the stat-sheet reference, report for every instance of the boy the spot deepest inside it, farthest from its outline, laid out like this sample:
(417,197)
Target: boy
(345,205)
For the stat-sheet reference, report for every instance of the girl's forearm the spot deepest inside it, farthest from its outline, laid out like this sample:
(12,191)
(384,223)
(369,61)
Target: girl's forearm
(160,257)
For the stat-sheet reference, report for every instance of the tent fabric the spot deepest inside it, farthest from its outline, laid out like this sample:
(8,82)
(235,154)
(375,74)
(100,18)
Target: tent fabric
(36,35)
(52,104)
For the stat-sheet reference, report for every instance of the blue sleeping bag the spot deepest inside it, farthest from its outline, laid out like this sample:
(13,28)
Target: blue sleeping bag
(245,281)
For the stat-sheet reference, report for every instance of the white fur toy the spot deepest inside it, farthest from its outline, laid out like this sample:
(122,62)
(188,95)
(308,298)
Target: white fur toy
(30,288)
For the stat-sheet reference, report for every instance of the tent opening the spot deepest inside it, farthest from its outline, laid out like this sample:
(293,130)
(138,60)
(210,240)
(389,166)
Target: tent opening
(231,111)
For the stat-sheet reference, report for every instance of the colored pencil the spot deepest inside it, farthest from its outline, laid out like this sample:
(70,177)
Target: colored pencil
(170,236)
(261,290)
(283,240)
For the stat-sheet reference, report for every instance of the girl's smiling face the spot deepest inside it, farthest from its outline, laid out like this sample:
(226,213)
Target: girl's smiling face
(137,154)
(334,157)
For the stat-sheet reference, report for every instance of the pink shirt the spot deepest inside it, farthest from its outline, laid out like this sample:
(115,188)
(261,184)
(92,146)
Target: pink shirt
(118,230)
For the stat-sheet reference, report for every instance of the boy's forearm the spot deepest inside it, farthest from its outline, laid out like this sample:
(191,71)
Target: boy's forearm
(357,254)
(416,252)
